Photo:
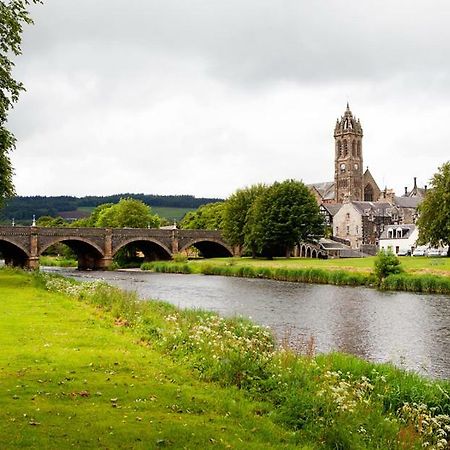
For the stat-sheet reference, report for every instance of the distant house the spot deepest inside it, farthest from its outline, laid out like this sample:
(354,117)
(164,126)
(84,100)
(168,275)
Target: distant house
(399,238)
(361,223)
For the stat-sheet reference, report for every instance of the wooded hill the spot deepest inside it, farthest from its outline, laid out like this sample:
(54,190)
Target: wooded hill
(23,208)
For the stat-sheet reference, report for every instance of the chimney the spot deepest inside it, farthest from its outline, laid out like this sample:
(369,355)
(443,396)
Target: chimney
(425,187)
(406,191)
(415,183)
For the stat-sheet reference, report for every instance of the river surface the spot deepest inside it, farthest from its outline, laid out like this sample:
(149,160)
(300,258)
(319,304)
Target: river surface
(410,330)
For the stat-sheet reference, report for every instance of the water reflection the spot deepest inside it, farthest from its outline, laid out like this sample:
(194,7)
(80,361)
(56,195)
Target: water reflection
(410,330)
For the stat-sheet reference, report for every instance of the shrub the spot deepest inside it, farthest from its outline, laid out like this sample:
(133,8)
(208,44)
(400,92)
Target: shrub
(386,263)
(180,257)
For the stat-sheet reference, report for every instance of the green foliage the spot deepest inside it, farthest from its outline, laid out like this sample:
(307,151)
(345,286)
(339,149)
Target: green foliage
(13,16)
(128,213)
(283,215)
(206,217)
(48,221)
(386,263)
(236,213)
(434,219)
(180,257)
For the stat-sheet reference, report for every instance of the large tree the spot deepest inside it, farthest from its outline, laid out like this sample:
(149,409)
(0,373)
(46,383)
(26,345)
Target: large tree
(284,215)
(13,15)
(206,217)
(434,218)
(128,213)
(236,213)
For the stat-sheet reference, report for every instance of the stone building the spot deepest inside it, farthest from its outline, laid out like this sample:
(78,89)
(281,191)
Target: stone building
(361,223)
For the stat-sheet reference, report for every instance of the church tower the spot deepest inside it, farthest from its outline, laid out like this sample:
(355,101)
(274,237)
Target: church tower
(348,162)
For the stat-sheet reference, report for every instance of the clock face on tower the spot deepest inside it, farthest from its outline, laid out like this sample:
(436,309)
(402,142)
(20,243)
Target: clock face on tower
(342,167)
(356,166)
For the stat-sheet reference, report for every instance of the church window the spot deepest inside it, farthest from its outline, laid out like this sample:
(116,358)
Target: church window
(359,149)
(357,229)
(345,147)
(337,231)
(368,193)
(348,230)
(338,149)
(354,148)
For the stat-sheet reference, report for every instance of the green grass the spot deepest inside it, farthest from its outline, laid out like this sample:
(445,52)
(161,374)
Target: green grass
(96,368)
(70,378)
(170,213)
(414,265)
(57,261)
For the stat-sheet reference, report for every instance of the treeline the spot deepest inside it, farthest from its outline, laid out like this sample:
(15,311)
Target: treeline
(23,208)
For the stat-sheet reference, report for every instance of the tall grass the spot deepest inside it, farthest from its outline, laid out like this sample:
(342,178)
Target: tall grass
(417,283)
(304,275)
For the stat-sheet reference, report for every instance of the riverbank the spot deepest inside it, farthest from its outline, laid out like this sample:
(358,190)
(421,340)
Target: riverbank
(416,278)
(151,372)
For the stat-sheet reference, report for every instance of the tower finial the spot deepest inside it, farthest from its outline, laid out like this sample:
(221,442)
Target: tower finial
(348,106)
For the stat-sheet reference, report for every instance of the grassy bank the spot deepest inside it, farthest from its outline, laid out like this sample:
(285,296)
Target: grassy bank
(153,376)
(412,265)
(319,272)
(57,261)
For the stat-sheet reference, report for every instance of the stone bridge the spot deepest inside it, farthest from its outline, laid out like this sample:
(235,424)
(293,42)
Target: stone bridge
(95,247)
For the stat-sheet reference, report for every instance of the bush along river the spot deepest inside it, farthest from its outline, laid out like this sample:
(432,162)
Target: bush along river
(410,330)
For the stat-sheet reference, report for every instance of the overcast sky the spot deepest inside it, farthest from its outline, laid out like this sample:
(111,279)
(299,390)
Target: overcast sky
(206,96)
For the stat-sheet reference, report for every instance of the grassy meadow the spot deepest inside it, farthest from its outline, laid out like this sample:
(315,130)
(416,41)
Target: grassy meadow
(89,366)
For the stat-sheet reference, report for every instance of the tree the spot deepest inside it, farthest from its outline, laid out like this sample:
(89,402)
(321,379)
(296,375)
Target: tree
(236,213)
(386,263)
(13,15)
(49,221)
(281,217)
(434,211)
(128,213)
(206,217)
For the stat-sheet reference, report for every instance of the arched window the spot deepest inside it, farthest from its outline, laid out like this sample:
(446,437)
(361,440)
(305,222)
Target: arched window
(345,147)
(354,148)
(338,149)
(390,233)
(368,193)
(359,149)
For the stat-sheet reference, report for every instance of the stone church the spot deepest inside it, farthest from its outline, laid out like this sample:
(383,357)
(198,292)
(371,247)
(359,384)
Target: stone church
(356,210)
(351,182)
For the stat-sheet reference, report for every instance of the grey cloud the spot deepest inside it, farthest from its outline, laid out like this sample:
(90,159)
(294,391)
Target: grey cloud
(250,41)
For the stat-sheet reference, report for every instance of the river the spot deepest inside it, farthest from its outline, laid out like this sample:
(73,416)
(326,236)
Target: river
(410,330)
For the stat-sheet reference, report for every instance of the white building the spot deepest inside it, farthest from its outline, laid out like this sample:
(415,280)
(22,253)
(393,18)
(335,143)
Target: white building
(399,238)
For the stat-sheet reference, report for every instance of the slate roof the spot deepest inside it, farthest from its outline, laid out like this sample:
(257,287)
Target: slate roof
(377,208)
(325,189)
(332,208)
(407,202)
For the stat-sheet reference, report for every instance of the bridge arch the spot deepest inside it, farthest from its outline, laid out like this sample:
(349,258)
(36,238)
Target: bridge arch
(88,253)
(209,247)
(13,253)
(152,249)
